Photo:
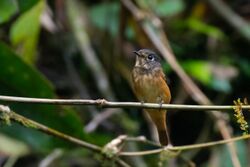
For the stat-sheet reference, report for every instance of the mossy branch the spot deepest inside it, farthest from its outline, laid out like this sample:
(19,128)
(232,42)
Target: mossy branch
(6,115)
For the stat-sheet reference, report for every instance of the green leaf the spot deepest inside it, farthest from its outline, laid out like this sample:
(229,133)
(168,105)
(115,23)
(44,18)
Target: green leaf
(25,31)
(169,7)
(7,9)
(19,79)
(202,27)
(199,69)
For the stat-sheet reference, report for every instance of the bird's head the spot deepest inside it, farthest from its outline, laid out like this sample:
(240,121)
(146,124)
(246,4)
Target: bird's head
(147,59)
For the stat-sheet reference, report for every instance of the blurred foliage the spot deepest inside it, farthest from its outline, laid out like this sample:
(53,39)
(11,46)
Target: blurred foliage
(39,57)
(25,37)
(242,153)
(7,9)
(13,147)
(199,70)
(106,13)
(19,79)
(168,8)
(25,5)
(203,28)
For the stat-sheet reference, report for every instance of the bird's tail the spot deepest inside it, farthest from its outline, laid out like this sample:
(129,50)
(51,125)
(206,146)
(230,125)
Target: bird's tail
(163,137)
(159,119)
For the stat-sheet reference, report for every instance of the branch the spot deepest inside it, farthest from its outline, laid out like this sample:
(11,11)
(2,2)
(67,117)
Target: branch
(108,104)
(111,148)
(186,147)
(6,115)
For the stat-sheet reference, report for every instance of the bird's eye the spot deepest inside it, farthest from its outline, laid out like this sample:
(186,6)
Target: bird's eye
(150,57)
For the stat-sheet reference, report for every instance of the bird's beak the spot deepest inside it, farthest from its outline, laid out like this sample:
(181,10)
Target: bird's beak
(137,54)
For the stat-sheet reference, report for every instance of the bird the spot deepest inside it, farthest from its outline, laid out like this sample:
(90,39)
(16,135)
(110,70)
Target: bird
(150,86)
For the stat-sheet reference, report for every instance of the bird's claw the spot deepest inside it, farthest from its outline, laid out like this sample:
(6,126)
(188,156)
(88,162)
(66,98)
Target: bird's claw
(161,102)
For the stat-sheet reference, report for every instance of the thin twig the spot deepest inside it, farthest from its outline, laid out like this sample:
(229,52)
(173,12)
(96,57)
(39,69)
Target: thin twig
(122,163)
(186,147)
(241,25)
(141,139)
(108,104)
(99,118)
(49,159)
(78,22)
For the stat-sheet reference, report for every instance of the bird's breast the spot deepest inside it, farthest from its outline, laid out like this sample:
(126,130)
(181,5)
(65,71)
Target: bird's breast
(151,88)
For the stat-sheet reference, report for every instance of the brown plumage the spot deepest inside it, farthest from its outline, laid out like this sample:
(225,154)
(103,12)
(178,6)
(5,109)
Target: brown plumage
(150,86)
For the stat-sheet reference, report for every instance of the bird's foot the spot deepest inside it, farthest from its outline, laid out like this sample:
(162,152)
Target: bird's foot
(161,102)
(167,147)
